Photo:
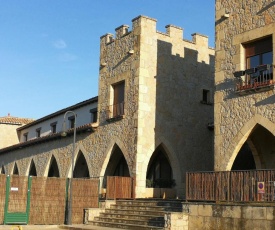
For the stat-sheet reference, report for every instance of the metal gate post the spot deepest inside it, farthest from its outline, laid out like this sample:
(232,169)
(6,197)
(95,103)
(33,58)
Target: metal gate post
(7,198)
(29,198)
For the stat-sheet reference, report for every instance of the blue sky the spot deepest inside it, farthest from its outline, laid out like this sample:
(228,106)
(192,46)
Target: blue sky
(49,49)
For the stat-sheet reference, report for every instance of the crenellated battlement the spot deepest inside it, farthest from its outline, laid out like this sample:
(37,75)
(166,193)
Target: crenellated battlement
(143,24)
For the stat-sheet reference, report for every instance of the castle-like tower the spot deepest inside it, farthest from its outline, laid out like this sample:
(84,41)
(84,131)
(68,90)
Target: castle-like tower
(156,95)
(244,96)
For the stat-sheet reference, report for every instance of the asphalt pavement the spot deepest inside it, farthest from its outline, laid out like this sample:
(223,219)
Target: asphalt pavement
(53,227)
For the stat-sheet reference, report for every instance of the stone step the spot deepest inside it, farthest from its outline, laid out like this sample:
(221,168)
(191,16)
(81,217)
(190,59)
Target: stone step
(125,226)
(135,212)
(125,220)
(130,216)
(146,208)
(171,203)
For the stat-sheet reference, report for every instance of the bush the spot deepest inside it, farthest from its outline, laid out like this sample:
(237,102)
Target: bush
(160,183)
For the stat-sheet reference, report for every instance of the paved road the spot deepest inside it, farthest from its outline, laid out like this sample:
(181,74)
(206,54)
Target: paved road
(52,227)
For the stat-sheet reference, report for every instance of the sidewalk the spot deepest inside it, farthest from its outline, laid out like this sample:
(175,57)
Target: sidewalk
(54,227)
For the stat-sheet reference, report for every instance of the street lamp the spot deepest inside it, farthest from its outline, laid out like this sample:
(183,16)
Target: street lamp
(64,134)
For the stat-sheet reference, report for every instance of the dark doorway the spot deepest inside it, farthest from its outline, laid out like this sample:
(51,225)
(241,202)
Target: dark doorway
(81,169)
(159,173)
(244,159)
(32,171)
(15,169)
(53,169)
(3,171)
(117,165)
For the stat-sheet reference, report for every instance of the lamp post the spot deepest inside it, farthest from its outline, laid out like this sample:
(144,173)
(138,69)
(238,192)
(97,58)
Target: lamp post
(64,134)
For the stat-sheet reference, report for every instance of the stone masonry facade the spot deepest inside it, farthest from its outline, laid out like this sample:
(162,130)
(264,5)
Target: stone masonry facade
(236,116)
(164,77)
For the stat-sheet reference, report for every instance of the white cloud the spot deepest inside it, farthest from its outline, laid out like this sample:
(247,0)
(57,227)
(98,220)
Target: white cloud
(60,44)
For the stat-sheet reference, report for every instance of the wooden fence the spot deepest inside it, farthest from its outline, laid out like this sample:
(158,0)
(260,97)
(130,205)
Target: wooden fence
(119,187)
(85,195)
(42,200)
(231,186)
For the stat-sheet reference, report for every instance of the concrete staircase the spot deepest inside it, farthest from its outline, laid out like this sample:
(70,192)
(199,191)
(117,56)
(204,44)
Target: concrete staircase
(137,214)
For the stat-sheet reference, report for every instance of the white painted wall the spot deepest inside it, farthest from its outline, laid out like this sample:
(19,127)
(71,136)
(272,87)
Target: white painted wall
(83,117)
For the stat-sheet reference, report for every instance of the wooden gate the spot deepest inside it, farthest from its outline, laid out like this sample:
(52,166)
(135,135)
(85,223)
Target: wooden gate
(17,202)
(42,200)
(119,187)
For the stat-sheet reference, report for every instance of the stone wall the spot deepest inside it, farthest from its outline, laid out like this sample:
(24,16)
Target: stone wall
(236,116)
(227,217)
(164,78)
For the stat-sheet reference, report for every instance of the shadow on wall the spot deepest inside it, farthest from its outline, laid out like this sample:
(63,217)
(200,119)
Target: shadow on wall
(181,118)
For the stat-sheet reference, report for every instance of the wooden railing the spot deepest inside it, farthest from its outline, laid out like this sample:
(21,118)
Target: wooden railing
(231,186)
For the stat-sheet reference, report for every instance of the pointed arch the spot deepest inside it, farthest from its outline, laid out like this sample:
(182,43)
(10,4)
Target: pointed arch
(171,155)
(15,170)
(53,168)
(3,171)
(243,134)
(32,170)
(81,169)
(110,149)
(159,170)
(117,165)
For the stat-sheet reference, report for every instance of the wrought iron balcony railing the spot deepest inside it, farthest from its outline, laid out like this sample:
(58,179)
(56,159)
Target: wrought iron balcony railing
(254,79)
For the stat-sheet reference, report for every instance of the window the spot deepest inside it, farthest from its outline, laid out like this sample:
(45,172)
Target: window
(38,132)
(259,57)
(258,53)
(53,127)
(93,115)
(118,99)
(25,136)
(205,96)
(72,121)
(258,73)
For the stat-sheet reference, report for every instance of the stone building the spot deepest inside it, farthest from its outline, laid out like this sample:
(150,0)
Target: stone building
(154,108)
(244,96)
(8,126)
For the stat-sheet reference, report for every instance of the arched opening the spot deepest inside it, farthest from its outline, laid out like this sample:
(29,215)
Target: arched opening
(53,169)
(244,160)
(159,171)
(258,152)
(81,169)
(32,171)
(15,169)
(3,171)
(117,165)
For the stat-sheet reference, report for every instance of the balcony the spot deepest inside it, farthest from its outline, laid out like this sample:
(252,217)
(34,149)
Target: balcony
(254,80)
(116,112)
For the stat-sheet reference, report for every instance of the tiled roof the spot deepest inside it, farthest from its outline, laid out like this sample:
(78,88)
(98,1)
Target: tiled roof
(91,127)
(15,120)
(78,105)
